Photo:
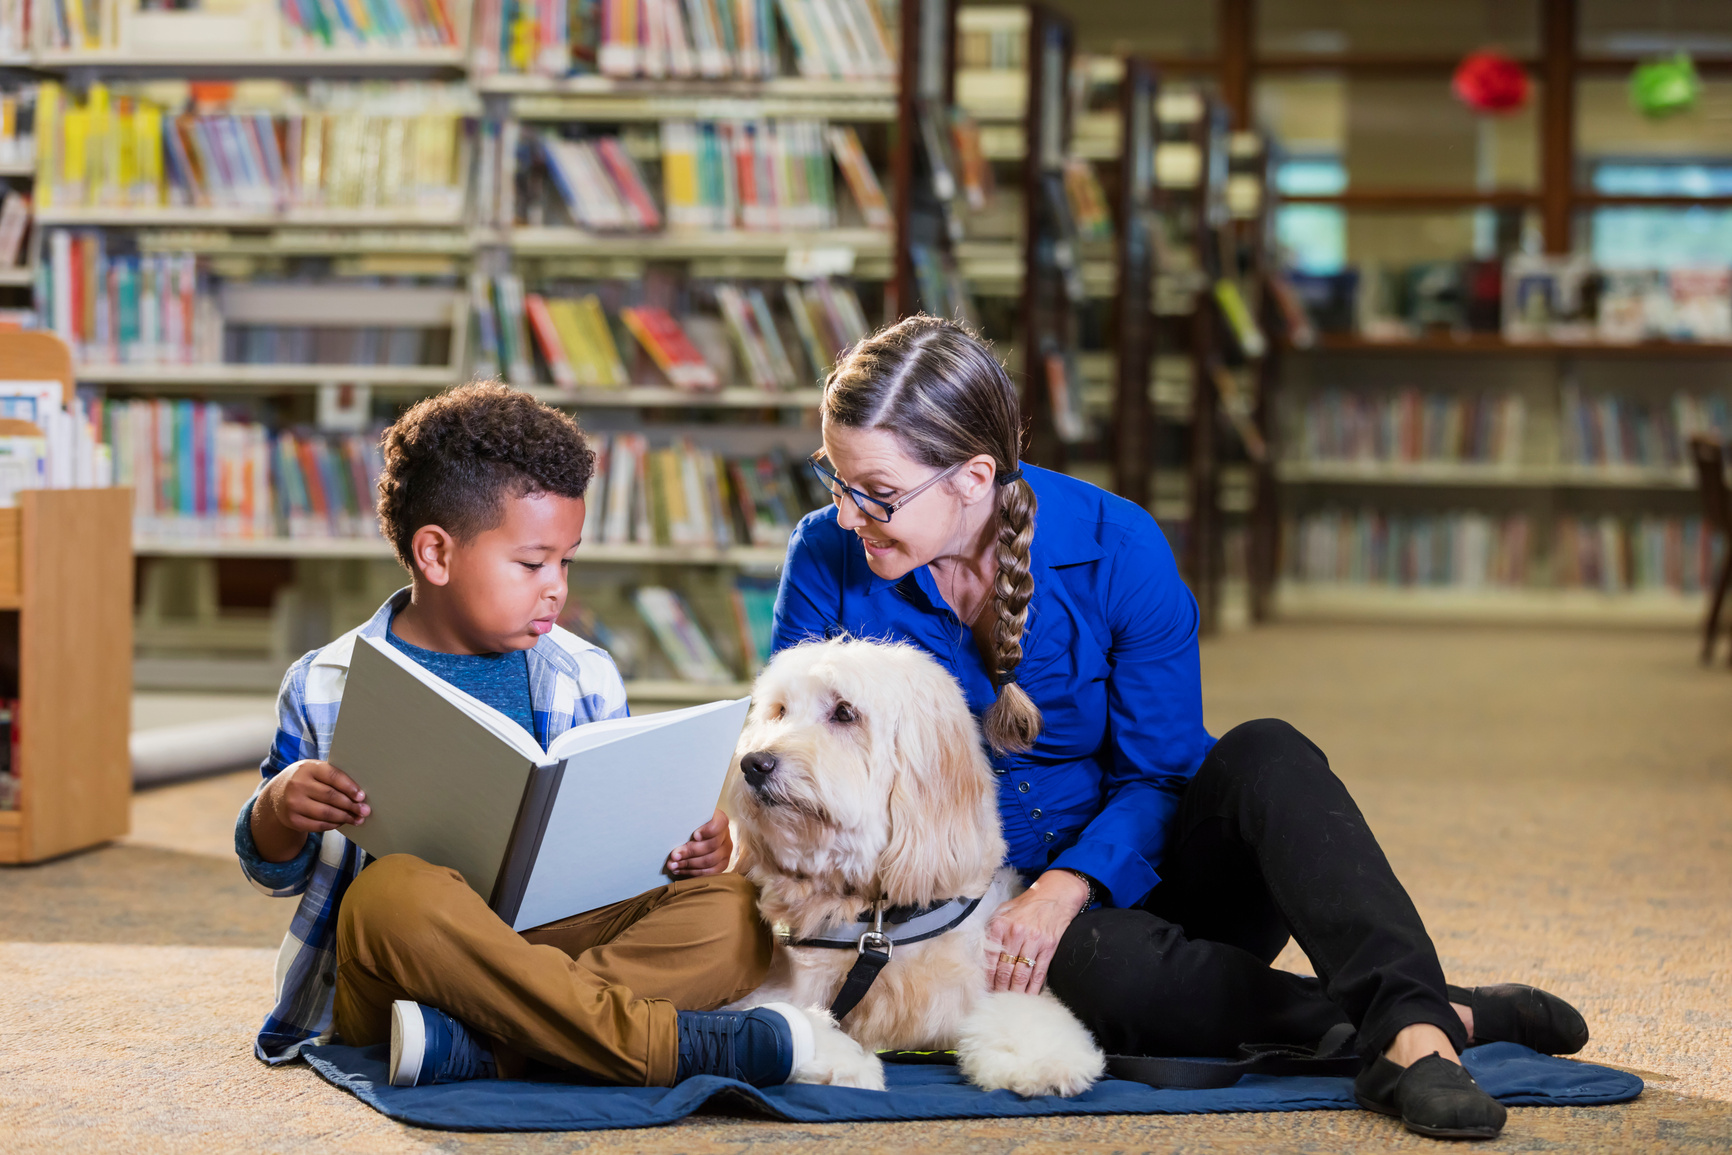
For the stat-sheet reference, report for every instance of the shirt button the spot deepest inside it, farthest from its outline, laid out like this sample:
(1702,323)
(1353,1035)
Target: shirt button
(1034,814)
(329,979)
(1048,836)
(1022,787)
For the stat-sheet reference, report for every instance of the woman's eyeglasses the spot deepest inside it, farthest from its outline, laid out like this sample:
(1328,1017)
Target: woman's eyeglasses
(869,505)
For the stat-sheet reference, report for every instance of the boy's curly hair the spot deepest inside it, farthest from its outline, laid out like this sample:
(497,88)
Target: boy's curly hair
(451,460)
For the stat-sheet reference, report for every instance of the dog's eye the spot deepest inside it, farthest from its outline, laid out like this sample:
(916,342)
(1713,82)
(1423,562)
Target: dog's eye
(781,712)
(843,713)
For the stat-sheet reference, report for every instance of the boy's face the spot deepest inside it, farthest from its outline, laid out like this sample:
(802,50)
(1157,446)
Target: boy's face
(505,587)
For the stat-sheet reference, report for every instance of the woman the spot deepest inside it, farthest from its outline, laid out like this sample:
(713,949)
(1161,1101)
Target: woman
(1167,869)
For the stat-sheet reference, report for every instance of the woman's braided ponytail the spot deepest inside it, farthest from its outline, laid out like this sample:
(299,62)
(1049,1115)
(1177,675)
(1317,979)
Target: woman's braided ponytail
(1013,721)
(940,390)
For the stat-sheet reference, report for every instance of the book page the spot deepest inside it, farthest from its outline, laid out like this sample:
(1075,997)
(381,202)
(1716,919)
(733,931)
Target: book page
(442,783)
(496,723)
(630,794)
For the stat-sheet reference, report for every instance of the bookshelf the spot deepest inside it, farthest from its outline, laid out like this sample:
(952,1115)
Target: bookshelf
(403,247)
(1592,478)
(65,613)
(1052,274)
(373,547)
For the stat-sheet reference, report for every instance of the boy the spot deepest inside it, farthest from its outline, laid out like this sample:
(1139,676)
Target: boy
(482,498)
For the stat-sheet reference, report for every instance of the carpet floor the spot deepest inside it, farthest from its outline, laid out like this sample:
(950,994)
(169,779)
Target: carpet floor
(1558,803)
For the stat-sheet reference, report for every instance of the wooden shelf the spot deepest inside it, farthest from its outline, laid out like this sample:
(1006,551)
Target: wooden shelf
(609,100)
(312,241)
(1465,474)
(650,690)
(1596,200)
(254,377)
(17,168)
(180,216)
(667,397)
(1413,200)
(373,547)
(1623,65)
(24,275)
(66,567)
(1344,602)
(1494,345)
(685,246)
(1368,63)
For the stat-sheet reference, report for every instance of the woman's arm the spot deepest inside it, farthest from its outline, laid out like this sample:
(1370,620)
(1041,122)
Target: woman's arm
(809,599)
(1155,717)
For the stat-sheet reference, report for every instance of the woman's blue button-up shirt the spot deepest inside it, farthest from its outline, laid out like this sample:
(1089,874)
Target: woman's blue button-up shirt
(1109,656)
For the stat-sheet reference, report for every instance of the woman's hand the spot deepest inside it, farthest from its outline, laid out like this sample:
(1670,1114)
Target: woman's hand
(1028,927)
(708,852)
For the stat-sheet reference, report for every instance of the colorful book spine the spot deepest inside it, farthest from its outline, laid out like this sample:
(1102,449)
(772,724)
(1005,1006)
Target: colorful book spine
(670,348)
(1468,550)
(754,175)
(1407,426)
(683,494)
(391,150)
(1612,430)
(114,308)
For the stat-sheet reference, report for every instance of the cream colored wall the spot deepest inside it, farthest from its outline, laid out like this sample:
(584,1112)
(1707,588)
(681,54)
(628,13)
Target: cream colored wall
(1606,125)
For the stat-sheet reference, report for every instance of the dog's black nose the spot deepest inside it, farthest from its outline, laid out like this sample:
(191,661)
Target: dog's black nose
(757,767)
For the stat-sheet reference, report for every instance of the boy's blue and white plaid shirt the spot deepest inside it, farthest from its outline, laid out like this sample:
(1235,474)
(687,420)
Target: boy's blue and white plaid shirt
(571,682)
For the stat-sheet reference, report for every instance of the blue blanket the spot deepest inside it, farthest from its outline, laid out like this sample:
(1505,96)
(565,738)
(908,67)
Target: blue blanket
(1514,1074)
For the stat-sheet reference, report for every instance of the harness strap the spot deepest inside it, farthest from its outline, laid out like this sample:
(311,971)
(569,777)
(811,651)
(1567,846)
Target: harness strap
(875,945)
(915,927)
(860,978)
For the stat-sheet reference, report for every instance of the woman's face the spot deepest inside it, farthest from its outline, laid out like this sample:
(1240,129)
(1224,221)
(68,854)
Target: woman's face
(937,523)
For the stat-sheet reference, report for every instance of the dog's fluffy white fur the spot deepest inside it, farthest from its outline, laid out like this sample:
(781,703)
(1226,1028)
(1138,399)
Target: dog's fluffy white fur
(881,790)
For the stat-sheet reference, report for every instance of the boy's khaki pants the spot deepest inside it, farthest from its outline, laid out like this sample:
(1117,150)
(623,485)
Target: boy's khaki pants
(597,992)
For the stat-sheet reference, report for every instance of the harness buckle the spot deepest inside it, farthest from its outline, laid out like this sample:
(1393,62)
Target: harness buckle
(876,939)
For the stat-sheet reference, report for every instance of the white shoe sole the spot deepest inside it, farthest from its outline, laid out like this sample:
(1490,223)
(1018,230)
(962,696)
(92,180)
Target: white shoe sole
(805,1042)
(408,1042)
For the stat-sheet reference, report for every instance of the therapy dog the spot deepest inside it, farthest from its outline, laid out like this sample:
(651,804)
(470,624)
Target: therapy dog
(866,814)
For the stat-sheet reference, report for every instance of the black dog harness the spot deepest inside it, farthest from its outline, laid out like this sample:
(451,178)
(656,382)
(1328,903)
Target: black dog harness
(867,936)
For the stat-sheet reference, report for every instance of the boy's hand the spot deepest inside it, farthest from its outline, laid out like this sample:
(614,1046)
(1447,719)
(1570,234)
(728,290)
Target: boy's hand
(707,853)
(306,798)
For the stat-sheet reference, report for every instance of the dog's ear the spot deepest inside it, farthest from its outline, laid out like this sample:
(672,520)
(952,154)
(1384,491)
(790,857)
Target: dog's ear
(944,836)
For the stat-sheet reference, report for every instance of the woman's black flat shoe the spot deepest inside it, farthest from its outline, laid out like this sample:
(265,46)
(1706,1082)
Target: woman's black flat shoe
(1513,1013)
(1434,1097)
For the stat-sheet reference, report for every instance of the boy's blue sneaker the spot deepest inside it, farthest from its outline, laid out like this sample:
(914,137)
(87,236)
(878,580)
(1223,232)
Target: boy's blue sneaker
(762,1046)
(429,1046)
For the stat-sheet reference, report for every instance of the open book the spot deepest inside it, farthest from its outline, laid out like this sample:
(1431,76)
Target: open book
(540,835)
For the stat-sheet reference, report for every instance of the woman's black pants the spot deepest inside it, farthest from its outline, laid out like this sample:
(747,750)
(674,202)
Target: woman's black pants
(1267,844)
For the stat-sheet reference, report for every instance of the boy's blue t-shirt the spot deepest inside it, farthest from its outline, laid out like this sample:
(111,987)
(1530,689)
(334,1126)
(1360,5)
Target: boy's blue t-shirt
(500,680)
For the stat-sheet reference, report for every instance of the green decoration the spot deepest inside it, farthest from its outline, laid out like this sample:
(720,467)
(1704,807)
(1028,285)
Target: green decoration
(1665,87)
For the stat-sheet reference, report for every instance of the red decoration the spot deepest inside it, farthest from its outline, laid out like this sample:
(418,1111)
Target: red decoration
(1490,82)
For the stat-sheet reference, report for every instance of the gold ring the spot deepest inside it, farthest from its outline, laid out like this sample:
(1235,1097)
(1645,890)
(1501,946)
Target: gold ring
(1028,962)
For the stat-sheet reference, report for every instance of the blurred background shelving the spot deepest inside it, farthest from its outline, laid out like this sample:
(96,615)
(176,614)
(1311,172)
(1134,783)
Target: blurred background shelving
(1334,408)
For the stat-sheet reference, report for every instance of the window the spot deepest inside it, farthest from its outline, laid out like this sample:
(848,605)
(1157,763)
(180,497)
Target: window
(1313,238)
(1636,236)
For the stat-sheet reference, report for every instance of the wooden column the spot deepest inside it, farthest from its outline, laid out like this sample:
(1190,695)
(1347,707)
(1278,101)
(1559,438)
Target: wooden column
(900,296)
(1045,310)
(1132,416)
(1238,48)
(1558,124)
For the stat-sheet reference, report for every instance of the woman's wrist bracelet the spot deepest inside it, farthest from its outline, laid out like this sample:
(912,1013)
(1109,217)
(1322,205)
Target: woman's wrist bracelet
(1094,891)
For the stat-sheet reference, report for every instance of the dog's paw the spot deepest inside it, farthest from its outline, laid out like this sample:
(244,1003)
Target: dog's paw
(839,1061)
(1029,1044)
